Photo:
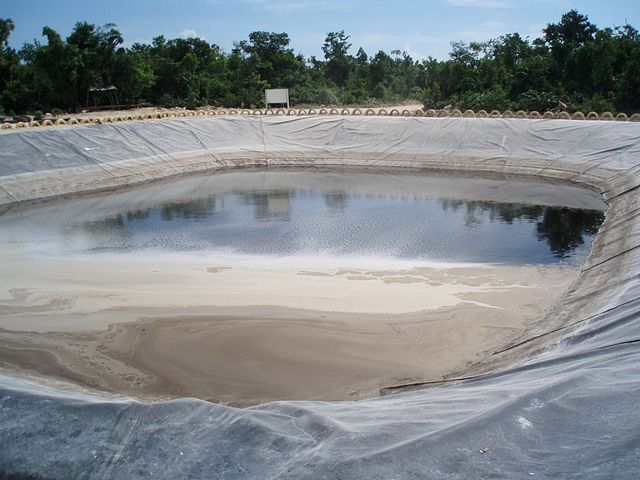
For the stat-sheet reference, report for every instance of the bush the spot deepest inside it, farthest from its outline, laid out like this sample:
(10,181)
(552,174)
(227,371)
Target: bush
(595,103)
(495,99)
(535,100)
(326,96)
(167,100)
(301,94)
(230,101)
(348,99)
(393,98)
(379,91)
(193,102)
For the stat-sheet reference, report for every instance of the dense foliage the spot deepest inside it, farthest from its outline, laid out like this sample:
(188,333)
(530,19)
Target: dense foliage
(574,65)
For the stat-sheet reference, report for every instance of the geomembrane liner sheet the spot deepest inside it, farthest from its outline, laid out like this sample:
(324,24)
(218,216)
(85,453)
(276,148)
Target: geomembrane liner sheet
(560,402)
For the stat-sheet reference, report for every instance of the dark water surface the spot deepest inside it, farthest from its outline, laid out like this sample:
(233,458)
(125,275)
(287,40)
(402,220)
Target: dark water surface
(432,218)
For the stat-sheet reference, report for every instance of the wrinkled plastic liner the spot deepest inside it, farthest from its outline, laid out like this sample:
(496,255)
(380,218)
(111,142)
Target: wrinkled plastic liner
(563,402)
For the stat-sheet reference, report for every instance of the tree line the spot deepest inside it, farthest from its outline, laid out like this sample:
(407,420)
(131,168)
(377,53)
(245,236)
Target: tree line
(574,65)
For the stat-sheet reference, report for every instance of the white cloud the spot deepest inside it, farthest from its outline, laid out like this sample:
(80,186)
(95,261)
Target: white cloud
(483,31)
(480,3)
(418,46)
(416,55)
(492,30)
(393,39)
(190,33)
(290,6)
(506,3)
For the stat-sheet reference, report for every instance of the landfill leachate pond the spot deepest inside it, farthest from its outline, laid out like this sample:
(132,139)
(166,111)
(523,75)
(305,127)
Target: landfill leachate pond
(431,218)
(244,287)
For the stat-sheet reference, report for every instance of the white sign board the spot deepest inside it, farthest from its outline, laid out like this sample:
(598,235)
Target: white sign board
(277,95)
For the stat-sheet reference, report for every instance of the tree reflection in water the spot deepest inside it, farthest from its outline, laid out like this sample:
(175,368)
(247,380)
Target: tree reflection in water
(270,205)
(336,202)
(562,228)
(196,209)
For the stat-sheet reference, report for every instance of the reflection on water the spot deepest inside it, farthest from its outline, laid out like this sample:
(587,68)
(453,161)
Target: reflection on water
(271,205)
(283,222)
(195,209)
(336,202)
(563,229)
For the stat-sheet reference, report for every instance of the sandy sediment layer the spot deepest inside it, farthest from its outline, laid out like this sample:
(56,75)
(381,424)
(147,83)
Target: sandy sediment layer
(167,327)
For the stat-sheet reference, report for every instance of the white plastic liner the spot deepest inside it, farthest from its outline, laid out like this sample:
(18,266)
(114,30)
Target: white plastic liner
(563,403)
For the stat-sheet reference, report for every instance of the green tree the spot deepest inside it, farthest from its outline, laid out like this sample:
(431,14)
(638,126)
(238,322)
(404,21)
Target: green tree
(187,72)
(93,51)
(270,58)
(627,83)
(9,60)
(574,65)
(564,38)
(134,74)
(336,47)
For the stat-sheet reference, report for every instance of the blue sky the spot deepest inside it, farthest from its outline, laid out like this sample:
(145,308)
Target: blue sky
(422,28)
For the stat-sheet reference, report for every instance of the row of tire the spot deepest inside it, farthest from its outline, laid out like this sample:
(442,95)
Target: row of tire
(324,111)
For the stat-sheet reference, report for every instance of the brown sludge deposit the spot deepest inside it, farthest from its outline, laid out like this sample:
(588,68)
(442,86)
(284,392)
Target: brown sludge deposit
(287,333)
